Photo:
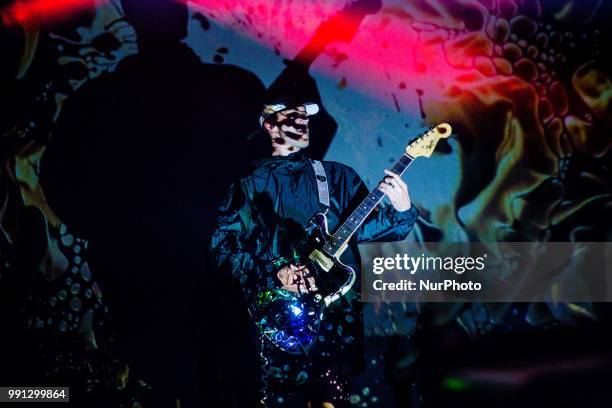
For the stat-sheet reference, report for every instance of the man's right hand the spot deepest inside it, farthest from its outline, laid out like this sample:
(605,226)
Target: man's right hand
(292,279)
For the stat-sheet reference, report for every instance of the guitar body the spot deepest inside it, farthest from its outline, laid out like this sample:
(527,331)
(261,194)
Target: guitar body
(290,320)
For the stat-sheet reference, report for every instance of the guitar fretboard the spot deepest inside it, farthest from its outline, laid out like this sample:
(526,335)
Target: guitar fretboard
(359,215)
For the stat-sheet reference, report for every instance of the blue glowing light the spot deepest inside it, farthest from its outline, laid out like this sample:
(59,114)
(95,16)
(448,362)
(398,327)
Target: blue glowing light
(296,310)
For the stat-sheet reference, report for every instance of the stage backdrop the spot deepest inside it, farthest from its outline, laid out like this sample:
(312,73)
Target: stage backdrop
(126,121)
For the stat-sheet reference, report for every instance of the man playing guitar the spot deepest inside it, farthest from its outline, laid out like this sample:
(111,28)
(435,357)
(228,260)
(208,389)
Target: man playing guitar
(260,220)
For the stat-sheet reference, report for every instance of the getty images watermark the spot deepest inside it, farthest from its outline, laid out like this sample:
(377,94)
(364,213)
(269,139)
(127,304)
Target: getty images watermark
(494,272)
(413,264)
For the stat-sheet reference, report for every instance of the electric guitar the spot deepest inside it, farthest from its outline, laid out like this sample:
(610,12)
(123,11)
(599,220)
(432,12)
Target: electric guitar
(291,320)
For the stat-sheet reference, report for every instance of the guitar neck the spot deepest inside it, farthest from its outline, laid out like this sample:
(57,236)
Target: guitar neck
(345,231)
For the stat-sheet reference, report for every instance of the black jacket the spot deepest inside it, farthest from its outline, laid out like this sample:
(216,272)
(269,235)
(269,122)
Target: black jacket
(261,218)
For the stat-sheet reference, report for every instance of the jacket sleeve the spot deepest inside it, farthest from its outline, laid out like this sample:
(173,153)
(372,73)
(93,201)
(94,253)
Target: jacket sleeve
(385,223)
(233,245)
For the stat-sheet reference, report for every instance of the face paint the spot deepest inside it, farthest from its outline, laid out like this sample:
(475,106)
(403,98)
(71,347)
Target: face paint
(291,129)
(290,126)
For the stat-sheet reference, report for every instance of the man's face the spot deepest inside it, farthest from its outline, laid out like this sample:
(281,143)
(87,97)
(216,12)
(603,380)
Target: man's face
(290,127)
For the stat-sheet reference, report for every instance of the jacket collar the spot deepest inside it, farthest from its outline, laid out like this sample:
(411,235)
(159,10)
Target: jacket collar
(294,161)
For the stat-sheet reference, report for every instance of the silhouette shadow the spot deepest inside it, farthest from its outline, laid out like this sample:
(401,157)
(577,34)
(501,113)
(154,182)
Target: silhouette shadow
(138,162)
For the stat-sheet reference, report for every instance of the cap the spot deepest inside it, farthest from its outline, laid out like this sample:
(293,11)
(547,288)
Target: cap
(278,106)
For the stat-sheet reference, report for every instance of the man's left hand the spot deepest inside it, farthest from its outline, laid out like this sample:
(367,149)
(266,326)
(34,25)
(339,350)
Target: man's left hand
(396,189)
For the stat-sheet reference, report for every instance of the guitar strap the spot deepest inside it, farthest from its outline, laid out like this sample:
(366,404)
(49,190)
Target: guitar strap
(321,182)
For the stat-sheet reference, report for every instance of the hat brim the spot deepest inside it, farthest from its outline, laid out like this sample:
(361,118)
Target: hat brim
(311,108)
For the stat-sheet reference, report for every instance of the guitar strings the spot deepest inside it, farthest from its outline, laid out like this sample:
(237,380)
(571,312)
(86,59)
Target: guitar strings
(375,197)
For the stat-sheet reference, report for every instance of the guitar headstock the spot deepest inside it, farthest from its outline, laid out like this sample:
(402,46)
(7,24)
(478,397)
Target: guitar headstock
(426,143)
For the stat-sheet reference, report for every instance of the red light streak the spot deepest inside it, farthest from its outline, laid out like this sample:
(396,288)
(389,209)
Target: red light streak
(32,13)
(384,52)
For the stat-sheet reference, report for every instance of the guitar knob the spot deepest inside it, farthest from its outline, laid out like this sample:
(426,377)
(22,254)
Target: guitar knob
(318,298)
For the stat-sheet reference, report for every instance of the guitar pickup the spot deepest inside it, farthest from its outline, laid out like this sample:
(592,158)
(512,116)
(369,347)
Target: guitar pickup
(324,261)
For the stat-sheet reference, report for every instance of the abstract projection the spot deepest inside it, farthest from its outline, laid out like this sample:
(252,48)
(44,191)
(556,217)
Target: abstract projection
(524,84)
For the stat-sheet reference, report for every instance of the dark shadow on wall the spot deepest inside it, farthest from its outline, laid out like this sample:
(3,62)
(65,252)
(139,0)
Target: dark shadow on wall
(138,162)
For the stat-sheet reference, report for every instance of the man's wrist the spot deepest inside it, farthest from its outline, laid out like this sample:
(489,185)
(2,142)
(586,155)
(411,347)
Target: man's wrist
(410,212)
(407,209)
